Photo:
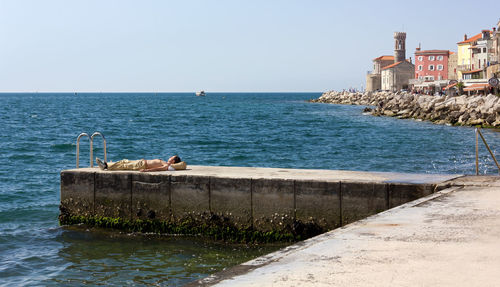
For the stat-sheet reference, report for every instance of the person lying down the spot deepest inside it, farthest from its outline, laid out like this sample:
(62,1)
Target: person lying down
(144,165)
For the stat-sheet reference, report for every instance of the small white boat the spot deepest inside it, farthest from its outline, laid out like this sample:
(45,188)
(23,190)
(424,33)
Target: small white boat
(200,94)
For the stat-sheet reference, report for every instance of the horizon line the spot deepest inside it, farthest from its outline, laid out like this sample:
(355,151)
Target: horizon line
(149,92)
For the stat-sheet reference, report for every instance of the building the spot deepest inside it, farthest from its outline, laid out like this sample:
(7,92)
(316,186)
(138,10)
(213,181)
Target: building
(431,64)
(476,61)
(464,54)
(373,78)
(391,72)
(396,76)
(493,70)
(399,46)
(382,62)
(481,51)
(431,70)
(474,55)
(495,46)
(452,66)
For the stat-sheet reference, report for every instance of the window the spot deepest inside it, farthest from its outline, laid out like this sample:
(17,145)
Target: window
(484,50)
(420,58)
(420,77)
(440,67)
(431,67)
(431,58)
(420,67)
(439,58)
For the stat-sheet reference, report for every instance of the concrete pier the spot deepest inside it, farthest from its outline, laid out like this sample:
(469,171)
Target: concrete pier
(296,202)
(450,238)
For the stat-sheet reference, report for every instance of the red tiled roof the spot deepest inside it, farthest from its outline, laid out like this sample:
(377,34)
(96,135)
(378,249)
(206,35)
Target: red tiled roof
(384,58)
(393,65)
(476,87)
(471,72)
(472,39)
(432,52)
(449,86)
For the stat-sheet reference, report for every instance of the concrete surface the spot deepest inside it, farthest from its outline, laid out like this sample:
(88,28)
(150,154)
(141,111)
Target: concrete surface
(266,199)
(449,238)
(295,174)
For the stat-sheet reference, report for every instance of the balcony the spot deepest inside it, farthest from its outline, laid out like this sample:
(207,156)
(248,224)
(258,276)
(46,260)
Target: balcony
(464,68)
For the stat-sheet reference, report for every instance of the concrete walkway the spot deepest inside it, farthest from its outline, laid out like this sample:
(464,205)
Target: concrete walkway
(450,238)
(296,174)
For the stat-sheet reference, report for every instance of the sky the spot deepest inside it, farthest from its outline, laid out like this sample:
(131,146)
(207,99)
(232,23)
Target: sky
(218,45)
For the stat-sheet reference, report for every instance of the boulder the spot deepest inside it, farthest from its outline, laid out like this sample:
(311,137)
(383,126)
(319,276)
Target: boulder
(443,109)
(388,113)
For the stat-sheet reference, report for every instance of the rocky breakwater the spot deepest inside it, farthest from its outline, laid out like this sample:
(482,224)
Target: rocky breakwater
(456,110)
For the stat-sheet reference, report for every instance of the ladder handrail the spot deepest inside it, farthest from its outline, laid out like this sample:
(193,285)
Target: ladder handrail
(78,148)
(478,131)
(91,140)
(92,147)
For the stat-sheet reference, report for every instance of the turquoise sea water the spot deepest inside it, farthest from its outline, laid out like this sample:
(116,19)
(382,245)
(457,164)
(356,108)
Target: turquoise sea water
(38,140)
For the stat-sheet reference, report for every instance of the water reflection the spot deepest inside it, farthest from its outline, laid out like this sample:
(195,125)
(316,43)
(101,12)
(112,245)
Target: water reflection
(110,258)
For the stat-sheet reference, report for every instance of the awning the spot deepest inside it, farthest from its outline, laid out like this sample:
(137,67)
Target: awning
(477,87)
(449,86)
(424,85)
(472,72)
(438,84)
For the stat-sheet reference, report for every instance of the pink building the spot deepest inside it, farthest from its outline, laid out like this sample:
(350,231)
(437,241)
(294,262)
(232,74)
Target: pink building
(431,65)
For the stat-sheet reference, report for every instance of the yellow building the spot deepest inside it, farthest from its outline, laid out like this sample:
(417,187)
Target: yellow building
(464,55)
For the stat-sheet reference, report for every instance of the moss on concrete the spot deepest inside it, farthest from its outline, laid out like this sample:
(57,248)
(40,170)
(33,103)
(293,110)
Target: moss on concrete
(216,228)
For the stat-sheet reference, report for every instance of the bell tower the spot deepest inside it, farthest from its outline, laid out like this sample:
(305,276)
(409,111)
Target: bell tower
(399,46)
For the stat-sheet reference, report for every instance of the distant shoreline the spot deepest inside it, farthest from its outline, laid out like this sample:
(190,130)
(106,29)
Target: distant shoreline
(462,110)
(145,92)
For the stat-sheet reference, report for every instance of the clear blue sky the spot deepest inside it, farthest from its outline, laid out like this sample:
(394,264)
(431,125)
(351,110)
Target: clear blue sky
(185,46)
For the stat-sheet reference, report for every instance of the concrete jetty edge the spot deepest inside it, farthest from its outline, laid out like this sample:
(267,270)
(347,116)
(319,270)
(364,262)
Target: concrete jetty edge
(243,204)
(449,238)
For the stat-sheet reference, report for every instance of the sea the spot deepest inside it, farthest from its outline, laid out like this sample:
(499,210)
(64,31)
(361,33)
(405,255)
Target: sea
(38,133)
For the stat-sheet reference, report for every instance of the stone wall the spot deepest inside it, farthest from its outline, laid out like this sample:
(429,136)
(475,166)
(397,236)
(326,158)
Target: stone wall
(404,72)
(493,71)
(462,110)
(373,82)
(243,209)
(452,67)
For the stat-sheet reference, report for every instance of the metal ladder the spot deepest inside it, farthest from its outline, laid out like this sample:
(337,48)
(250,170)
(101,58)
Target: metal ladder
(91,139)
(478,132)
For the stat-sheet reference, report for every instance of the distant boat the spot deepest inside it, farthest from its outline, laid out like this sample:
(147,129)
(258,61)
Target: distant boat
(200,94)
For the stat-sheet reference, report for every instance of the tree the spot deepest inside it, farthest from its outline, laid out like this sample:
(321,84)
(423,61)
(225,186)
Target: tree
(460,86)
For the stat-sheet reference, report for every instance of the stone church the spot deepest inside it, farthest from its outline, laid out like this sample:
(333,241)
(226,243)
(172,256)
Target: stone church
(391,73)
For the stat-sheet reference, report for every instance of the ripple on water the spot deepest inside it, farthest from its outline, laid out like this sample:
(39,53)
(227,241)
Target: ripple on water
(266,130)
(62,147)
